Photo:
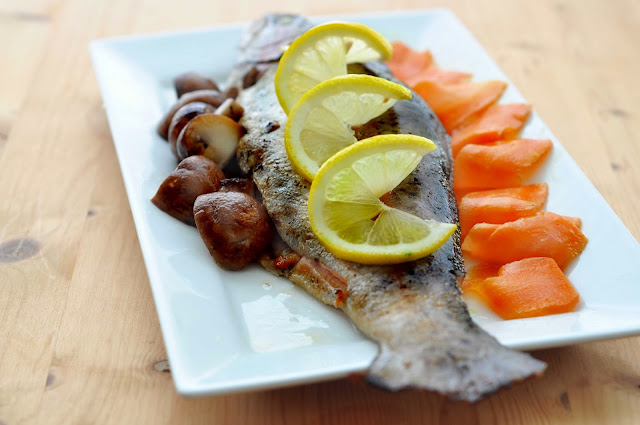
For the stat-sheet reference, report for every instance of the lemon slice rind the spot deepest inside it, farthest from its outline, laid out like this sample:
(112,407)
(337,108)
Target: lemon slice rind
(327,112)
(324,52)
(362,228)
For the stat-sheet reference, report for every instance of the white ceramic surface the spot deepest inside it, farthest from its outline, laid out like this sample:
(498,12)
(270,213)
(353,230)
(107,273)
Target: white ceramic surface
(236,331)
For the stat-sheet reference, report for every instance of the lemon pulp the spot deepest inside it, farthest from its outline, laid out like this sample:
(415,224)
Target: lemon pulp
(322,121)
(322,53)
(348,216)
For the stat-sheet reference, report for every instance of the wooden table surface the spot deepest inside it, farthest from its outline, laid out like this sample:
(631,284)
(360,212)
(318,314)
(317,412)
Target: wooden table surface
(79,337)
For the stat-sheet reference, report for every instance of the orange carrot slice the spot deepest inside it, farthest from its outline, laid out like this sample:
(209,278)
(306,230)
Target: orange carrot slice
(498,122)
(406,62)
(577,221)
(455,104)
(528,288)
(543,235)
(501,205)
(412,66)
(498,165)
(477,274)
(438,75)
(400,51)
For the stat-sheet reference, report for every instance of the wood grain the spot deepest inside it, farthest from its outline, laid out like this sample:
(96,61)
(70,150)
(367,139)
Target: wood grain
(79,337)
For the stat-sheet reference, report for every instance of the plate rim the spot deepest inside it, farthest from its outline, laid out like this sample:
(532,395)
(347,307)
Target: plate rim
(184,383)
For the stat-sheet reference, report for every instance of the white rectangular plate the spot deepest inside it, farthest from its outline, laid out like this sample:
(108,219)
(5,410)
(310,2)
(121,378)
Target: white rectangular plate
(235,331)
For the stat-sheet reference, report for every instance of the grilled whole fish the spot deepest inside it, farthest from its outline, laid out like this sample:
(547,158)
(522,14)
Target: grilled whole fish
(414,311)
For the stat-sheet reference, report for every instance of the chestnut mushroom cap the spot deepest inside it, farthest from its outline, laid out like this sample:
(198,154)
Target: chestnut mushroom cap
(252,76)
(211,97)
(238,184)
(211,135)
(191,81)
(232,92)
(230,108)
(235,228)
(182,117)
(193,177)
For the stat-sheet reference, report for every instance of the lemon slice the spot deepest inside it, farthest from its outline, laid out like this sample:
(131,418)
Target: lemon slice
(323,52)
(322,121)
(347,215)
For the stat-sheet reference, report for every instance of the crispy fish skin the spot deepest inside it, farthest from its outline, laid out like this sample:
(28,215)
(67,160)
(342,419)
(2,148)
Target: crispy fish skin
(414,310)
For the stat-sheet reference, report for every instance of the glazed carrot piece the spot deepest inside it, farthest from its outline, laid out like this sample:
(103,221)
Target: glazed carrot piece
(477,274)
(455,104)
(528,288)
(400,51)
(478,239)
(498,122)
(501,205)
(543,235)
(498,165)
(406,62)
(577,221)
(438,75)
(412,66)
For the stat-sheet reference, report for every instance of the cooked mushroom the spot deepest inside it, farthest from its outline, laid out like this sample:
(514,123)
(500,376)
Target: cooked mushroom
(194,176)
(182,117)
(241,185)
(232,92)
(234,227)
(211,135)
(230,108)
(212,97)
(191,81)
(251,77)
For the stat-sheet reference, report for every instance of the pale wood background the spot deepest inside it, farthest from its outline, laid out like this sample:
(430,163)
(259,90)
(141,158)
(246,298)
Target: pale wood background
(79,336)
